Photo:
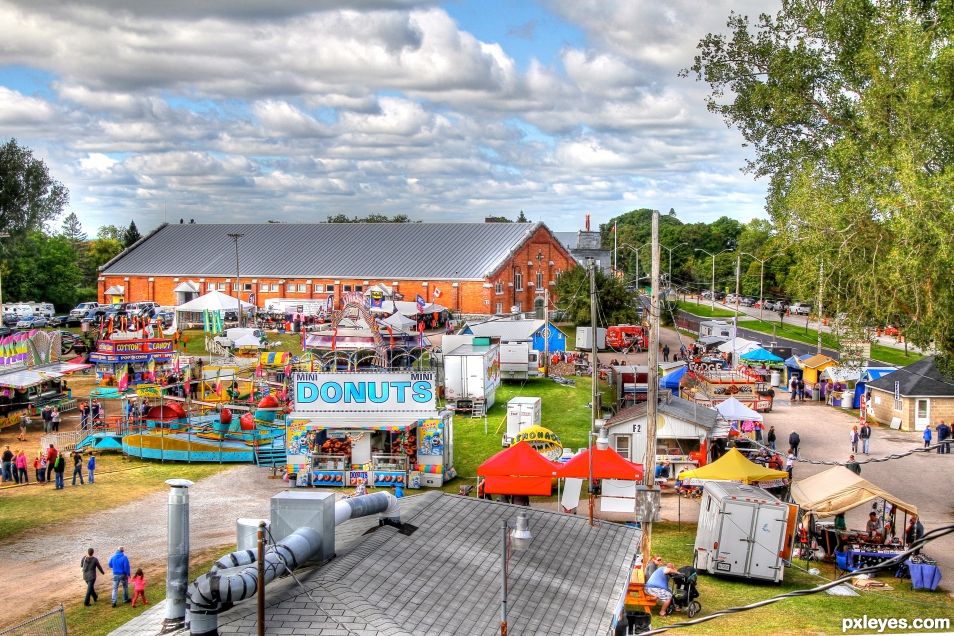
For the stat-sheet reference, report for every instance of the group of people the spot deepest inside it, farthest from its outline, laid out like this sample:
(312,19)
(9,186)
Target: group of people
(860,435)
(48,466)
(120,569)
(796,390)
(91,414)
(945,433)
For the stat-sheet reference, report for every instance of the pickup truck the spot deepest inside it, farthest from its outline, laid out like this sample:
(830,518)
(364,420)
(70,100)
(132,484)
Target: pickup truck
(801,309)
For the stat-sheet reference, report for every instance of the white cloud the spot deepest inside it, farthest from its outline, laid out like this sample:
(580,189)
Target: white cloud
(17,109)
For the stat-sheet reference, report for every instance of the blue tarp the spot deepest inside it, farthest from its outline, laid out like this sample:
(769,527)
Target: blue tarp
(671,380)
(760,355)
(792,363)
(867,375)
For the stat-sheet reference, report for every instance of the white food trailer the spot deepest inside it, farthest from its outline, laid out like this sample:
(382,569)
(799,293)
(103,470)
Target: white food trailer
(518,361)
(471,376)
(522,412)
(743,531)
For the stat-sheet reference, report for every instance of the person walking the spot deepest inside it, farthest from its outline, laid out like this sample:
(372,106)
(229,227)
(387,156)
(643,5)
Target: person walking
(51,454)
(90,564)
(21,463)
(45,415)
(55,419)
(8,466)
(793,441)
(793,391)
(943,438)
(119,565)
(24,425)
(865,433)
(927,436)
(853,466)
(91,466)
(853,438)
(665,352)
(77,467)
(59,467)
(801,390)
(790,463)
(139,587)
(770,437)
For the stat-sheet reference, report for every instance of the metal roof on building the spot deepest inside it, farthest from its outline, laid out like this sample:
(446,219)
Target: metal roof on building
(922,378)
(507,330)
(452,251)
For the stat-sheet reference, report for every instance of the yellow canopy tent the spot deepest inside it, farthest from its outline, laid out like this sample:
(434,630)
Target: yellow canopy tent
(734,466)
(838,490)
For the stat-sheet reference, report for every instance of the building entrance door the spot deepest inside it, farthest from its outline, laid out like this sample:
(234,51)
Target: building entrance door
(922,413)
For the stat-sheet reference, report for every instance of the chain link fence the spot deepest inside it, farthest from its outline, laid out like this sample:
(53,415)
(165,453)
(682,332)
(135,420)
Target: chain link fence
(52,623)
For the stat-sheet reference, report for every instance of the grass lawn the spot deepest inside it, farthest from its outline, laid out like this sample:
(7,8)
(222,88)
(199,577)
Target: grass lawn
(118,481)
(704,309)
(565,412)
(817,613)
(896,357)
(101,618)
(195,342)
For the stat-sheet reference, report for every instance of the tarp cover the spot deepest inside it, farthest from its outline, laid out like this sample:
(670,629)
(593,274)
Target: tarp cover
(520,460)
(607,464)
(838,490)
(734,411)
(671,380)
(738,345)
(734,466)
(760,355)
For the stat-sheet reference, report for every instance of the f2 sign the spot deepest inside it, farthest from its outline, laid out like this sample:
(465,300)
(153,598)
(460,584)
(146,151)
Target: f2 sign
(325,393)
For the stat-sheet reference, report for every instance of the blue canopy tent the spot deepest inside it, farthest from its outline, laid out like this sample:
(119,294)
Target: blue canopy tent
(761,355)
(868,374)
(671,380)
(792,370)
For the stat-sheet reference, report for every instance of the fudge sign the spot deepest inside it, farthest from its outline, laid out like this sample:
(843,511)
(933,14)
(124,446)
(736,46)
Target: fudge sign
(317,393)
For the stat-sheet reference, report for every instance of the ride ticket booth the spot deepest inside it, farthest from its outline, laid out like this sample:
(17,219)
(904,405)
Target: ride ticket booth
(383,428)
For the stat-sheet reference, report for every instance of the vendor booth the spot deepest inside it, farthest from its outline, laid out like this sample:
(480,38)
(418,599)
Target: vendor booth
(813,366)
(740,418)
(617,475)
(190,313)
(383,428)
(708,387)
(123,360)
(734,466)
(868,374)
(631,384)
(684,432)
(518,470)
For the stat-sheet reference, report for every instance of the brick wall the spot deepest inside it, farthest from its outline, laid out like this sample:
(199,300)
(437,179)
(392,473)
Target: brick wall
(541,252)
(940,409)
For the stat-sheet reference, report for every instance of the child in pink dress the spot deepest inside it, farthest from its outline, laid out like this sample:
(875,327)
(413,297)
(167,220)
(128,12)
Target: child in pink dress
(139,587)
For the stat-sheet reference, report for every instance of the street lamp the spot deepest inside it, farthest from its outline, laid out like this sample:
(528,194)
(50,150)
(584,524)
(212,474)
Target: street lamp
(712,286)
(670,249)
(761,279)
(238,280)
(635,249)
(516,539)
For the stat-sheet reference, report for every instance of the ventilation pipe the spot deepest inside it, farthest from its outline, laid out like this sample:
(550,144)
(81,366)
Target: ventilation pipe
(177,566)
(215,592)
(587,222)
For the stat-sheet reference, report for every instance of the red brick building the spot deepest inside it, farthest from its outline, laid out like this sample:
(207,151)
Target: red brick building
(473,268)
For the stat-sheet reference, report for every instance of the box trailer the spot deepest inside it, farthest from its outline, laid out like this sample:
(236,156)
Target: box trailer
(743,531)
(518,361)
(522,412)
(471,374)
(584,338)
(718,328)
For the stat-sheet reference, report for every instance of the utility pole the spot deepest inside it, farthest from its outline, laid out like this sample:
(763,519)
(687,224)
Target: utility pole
(735,319)
(595,376)
(821,279)
(546,332)
(652,393)
(238,280)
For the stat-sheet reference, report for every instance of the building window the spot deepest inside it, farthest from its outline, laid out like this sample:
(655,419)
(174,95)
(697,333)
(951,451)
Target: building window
(318,288)
(359,288)
(210,287)
(274,287)
(622,445)
(518,280)
(263,287)
(347,288)
(330,288)
(498,308)
(539,279)
(235,287)
(898,406)
(498,288)
(290,288)
(247,287)
(222,287)
(302,288)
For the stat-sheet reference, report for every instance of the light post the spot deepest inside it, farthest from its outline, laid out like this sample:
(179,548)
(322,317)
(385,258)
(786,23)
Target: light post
(516,539)
(635,249)
(670,249)
(761,262)
(712,284)
(238,280)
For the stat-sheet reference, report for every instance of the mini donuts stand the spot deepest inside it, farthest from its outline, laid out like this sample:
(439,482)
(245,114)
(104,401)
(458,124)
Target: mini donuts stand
(382,428)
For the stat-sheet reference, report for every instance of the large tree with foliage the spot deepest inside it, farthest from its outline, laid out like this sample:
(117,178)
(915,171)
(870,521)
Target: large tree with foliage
(29,196)
(849,108)
(43,268)
(131,234)
(615,305)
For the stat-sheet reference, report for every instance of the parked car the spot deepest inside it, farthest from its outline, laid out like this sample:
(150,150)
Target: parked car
(94,315)
(166,317)
(10,319)
(57,321)
(747,301)
(77,313)
(892,330)
(802,309)
(31,322)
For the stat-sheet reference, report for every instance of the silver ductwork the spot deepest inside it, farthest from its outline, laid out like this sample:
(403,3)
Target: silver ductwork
(177,566)
(218,590)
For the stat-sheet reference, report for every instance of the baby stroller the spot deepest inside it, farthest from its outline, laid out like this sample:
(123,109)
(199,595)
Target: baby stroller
(684,592)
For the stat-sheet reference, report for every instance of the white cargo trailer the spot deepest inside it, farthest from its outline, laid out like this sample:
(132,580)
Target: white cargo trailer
(471,376)
(584,338)
(518,361)
(522,412)
(743,531)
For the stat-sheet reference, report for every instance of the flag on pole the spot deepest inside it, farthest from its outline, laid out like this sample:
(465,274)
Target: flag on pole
(205,321)
(391,335)
(420,329)
(420,304)
(437,292)
(122,377)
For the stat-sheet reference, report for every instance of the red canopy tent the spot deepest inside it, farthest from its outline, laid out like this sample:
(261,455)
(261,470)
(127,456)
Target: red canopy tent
(607,464)
(518,470)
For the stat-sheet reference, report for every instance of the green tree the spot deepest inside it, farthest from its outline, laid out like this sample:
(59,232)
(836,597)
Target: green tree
(131,234)
(847,105)
(102,250)
(72,229)
(29,196)
(616,305)
(497,219)
(110,232)
(43,268)
(522,218)
(371,218)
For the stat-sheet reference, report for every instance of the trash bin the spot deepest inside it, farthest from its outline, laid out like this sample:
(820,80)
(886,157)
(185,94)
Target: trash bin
(816,393)
(776,378)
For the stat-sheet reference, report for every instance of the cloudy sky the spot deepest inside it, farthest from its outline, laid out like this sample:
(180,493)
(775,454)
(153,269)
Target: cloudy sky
(292,110)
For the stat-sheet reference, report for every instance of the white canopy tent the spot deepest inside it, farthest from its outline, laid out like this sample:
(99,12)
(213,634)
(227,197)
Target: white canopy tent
(732,410)
(212,301)
(738,346)
(398,321)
